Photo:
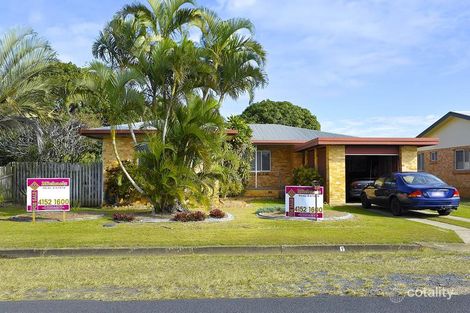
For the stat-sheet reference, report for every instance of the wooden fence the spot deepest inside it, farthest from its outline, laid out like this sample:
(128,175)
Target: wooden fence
(86,180)
(6,183)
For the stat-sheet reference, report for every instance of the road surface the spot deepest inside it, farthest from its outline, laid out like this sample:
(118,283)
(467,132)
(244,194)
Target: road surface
(288,305)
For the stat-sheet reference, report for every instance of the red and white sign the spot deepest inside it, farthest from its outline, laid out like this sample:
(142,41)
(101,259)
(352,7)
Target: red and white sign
(48,194)
(304,201)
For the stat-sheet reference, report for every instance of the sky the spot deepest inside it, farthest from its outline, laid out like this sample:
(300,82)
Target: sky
(364,68)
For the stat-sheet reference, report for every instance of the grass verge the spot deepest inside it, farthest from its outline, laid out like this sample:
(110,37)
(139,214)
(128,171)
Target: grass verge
(202,276)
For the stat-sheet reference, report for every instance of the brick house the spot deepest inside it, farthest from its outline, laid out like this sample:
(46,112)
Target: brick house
(279,149)
(450,159)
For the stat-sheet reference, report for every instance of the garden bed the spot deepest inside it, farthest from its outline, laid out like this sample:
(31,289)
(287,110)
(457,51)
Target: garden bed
(169,218)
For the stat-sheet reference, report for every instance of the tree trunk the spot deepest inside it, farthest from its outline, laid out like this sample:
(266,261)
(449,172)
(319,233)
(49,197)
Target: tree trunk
(165,125)
(221,99)
(121,165)
(131,130)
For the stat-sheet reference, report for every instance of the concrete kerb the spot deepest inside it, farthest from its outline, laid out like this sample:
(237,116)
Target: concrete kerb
(208,250)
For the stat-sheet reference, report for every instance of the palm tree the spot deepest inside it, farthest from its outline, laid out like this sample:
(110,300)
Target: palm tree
(144,37)
(23,57)
(184,169)
(116,91)
(119,42)
(163,18)
(186,153)
(237,59)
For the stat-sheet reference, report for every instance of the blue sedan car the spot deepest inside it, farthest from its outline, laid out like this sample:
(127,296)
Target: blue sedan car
(411,190)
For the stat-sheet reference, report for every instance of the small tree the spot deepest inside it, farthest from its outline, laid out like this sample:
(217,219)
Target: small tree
(61,141)
(280,112)
(305,176)
(116,93)
(238,153)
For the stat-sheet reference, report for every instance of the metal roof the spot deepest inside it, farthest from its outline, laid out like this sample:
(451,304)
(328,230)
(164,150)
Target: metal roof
(135,126)
(276,132)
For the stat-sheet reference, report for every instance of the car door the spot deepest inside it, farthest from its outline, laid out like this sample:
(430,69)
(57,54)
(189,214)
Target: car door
(371,191)
(389,188)
(380,191)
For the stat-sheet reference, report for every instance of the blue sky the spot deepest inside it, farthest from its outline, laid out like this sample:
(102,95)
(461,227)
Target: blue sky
(365,68)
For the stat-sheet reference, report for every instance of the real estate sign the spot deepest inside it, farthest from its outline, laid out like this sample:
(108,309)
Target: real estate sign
(304,201)
(48,194)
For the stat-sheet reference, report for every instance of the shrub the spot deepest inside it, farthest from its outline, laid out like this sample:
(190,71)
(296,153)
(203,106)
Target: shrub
(304,176)
(123,217)
(217,213)
(119,190)
(193,216)
(238,153)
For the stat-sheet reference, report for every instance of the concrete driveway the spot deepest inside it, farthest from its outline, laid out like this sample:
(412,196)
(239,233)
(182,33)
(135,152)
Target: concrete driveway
(422,217)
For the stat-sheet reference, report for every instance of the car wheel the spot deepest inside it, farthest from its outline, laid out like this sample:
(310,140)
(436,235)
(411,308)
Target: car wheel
(365,202)
(444,212)
(395,207)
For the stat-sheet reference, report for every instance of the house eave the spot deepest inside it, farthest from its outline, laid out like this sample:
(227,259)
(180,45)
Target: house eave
(365,141)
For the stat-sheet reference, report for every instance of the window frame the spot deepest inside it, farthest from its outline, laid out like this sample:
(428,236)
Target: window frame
(261,167)
(421,162)
(465,155)
(433,156)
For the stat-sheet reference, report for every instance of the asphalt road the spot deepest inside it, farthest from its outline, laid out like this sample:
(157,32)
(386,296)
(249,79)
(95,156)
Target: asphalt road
(289,305)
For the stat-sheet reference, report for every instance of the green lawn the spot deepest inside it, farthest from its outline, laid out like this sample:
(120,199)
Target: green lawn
(216,276)
(463,210)
(246,229)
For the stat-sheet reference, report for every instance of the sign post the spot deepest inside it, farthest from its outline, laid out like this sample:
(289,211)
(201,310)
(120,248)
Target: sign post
(304,201)
(48,195)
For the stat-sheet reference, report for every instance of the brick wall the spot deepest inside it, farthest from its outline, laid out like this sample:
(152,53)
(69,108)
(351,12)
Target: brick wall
(408,159)
(444,168)
(125,147)
(335,181)
(283,160)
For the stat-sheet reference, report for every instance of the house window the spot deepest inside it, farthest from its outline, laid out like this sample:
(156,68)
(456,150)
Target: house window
(462,159)
(262,162)
(420,162)
(433,156)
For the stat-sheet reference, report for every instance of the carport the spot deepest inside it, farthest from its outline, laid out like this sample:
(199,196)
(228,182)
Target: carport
(369,162)
(340,160)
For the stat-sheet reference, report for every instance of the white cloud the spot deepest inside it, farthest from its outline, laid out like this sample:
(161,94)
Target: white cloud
(236,4)
(381,126)
(348,43)
(73,41)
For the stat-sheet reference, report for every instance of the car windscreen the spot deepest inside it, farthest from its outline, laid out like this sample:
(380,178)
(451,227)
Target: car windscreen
(421,179)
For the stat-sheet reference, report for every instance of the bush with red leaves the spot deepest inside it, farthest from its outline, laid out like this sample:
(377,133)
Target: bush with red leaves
(194,216)
(123,217)
(217,213)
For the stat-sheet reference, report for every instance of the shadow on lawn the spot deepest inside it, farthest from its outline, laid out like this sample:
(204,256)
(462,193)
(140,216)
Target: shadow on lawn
(384,212)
